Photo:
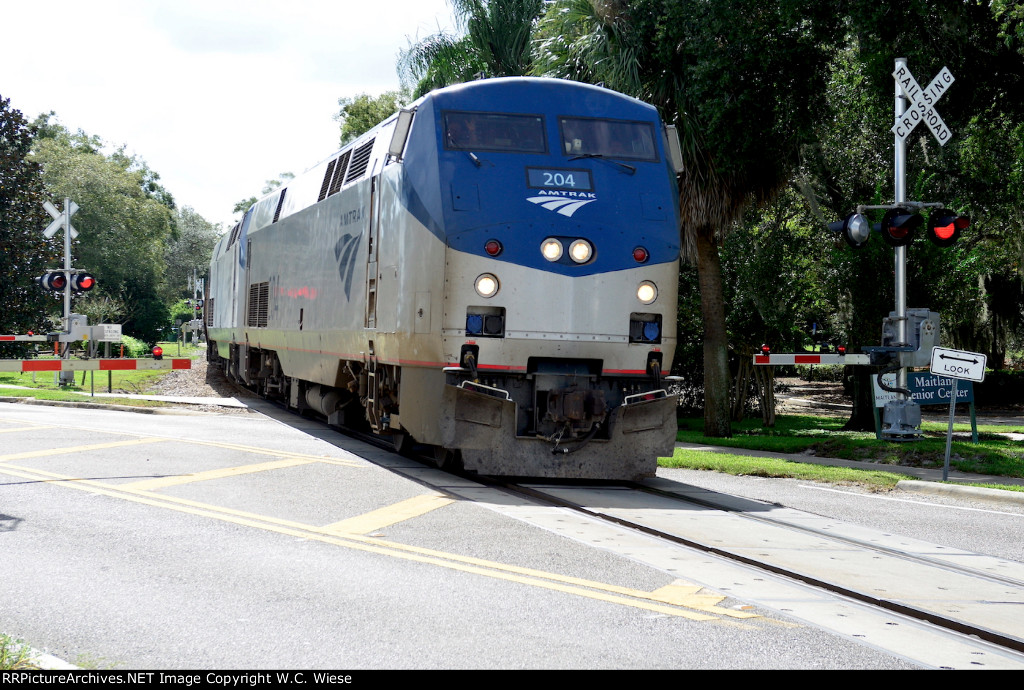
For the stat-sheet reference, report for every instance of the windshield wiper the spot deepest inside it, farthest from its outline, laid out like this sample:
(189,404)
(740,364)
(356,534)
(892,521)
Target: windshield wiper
(600,156)
(472,156)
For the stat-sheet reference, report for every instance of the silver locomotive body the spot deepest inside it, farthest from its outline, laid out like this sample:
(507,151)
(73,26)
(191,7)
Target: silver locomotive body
(474,274)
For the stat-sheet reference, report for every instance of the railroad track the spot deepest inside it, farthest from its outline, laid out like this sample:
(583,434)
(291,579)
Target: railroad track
(983,602)
(996,586)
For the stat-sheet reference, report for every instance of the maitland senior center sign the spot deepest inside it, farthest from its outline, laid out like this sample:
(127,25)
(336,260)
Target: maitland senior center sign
(926,388)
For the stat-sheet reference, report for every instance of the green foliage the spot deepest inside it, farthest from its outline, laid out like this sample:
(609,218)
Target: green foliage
(362,113)
(975,285)
(125,221)
(995,454)
(495,43)
(134,348)
(740,79)
(24,252)
(15,655)
(187,255)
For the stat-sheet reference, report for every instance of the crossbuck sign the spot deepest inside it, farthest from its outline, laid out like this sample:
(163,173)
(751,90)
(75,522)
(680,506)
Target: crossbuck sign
(922,104)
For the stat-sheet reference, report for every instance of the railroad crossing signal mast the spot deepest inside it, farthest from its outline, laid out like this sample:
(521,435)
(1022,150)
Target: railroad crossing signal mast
(908,336)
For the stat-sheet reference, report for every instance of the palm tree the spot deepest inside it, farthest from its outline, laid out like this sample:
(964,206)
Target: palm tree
(496,42)
(720,72)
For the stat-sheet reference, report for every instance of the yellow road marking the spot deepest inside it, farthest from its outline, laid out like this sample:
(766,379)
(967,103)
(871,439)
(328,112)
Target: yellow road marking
(683,593)
(79,449)
(160,482)
(345,462)
(528,576)
(389,515)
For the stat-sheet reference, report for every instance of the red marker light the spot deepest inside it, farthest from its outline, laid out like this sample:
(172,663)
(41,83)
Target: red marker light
(158,352)
(765,350)
(492,247)
(640,255)
(841,349)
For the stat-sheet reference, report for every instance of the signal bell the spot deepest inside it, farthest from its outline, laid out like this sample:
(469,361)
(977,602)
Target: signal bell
(898,226)
(944,227)
(855,228)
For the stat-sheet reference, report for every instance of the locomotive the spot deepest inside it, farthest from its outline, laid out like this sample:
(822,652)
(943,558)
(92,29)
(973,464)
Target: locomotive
(491,272)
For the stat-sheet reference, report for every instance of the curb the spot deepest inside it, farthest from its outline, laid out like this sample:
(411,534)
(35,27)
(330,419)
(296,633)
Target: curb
(976,493)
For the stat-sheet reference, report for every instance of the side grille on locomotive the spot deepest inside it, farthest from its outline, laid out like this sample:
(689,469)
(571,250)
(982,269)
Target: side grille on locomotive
(259,294)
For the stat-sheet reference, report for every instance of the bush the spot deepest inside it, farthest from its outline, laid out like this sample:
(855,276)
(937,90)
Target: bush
(1000,388)
(133,347)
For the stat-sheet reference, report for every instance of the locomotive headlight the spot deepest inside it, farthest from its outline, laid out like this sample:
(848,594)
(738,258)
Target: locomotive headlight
(580,251)
(647,292)
(486,285)
(551,249)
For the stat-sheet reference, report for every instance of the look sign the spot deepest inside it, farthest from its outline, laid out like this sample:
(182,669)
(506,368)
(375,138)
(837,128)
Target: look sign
(922,104)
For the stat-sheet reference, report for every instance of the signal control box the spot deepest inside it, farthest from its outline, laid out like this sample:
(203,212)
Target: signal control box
(922,336)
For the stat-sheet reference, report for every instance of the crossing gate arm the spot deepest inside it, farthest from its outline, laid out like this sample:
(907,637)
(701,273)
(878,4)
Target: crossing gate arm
(27,365)
(788,359)
(23,338)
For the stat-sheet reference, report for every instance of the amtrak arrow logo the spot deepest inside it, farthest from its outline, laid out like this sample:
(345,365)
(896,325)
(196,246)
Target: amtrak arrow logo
(559,204)
(345,254)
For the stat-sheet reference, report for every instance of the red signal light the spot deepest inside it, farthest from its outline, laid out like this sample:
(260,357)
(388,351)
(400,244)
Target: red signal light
(54,281)
(640,255)
(898,226)
(765,350)
(158,352)
(944,227)
(82,282)
(492,247)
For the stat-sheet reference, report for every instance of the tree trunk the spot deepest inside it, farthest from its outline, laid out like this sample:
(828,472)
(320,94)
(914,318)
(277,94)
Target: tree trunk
(741,386)
(716,354)
(862,418)
(765,377)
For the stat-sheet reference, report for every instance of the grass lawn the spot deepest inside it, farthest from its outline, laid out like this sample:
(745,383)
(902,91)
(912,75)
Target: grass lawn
(994,454)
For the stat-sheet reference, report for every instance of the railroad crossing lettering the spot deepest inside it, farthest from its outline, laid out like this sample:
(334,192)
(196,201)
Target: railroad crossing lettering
(922,104)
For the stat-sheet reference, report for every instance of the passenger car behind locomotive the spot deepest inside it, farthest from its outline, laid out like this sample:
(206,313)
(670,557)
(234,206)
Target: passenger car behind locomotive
(491,272)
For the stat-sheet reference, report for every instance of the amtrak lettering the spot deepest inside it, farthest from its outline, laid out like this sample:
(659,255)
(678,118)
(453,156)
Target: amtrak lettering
(352,216)
(564,203)
(345,253)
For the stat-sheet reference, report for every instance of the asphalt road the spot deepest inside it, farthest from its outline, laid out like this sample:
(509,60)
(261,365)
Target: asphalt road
(209,542)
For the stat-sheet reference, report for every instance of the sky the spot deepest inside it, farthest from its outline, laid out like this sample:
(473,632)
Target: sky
(216,96)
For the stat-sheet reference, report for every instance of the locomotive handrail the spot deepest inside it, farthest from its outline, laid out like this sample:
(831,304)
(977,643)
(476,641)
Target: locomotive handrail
(629,399)
(486,389)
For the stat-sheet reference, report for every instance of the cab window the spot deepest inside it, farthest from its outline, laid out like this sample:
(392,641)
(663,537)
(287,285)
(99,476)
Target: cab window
(464,131)
(609,138)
